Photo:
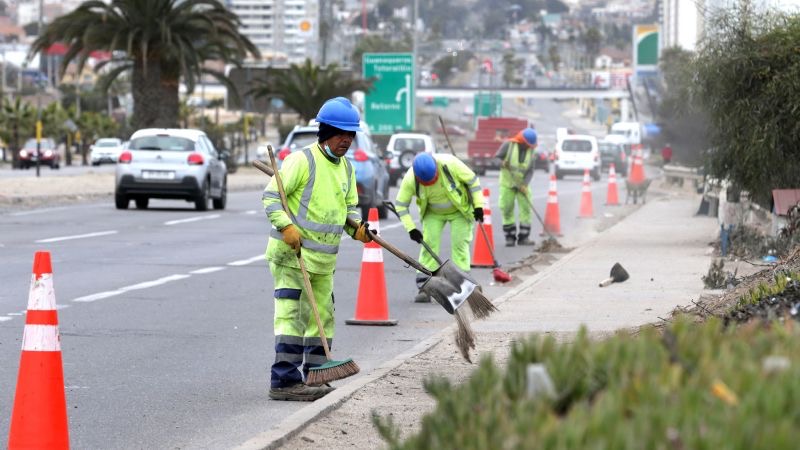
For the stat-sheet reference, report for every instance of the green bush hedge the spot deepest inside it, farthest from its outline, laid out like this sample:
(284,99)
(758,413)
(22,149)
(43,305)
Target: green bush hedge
(688,386)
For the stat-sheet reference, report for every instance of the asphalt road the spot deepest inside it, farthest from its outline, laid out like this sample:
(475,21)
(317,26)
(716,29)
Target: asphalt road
(166,314)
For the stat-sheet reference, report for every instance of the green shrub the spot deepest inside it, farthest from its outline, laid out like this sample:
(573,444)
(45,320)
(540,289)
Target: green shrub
(691,386)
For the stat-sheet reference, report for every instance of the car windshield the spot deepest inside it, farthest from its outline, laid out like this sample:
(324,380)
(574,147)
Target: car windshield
(303,139)
(575,145)
(107,143)
(162,143)
(46,144)
(413,144)
(608,148)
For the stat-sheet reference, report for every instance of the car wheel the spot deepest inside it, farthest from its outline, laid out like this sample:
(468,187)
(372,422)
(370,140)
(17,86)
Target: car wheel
(95,163)
(55,166)
(121,201)
(596,174)
(201,202)
(406,159)
(142,202)
(559,175)
(219,203)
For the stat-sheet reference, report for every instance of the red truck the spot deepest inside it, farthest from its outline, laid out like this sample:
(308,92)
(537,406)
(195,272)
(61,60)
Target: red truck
(491,133)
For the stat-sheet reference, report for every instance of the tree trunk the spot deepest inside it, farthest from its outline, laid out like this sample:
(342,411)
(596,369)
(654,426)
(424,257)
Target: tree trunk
(15,147)
(155,96)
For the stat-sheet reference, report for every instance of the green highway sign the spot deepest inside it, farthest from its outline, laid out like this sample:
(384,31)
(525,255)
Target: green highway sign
(390,105)
(488,104)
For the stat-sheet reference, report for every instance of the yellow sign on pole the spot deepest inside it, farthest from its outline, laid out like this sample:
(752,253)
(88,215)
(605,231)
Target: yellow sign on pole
(38,131)
(246,125)
(78,135)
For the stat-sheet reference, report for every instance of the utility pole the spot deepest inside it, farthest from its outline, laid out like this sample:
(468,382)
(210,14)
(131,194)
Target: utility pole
(39,98)
(414,60)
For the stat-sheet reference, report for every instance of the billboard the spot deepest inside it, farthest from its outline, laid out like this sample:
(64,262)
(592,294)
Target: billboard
(645,48)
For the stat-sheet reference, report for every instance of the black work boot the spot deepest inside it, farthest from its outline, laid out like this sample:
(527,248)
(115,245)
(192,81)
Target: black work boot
(511,240)
(511,234)
(524,240)
(299,393)
(422,297)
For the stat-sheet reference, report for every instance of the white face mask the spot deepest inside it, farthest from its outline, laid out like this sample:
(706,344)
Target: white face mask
(327,149)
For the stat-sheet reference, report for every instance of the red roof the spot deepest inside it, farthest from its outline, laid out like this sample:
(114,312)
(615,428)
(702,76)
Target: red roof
(785,199)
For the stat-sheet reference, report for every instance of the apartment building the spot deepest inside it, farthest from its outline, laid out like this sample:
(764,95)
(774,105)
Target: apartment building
(283,30)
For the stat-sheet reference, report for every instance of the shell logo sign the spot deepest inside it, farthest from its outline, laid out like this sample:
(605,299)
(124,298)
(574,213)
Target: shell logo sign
(305,27)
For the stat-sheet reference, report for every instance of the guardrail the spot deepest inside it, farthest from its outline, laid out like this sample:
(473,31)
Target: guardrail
(677,174)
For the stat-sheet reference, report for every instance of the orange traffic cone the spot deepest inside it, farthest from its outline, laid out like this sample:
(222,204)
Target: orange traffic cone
(39,417)
(372,307)
(482,252)
(636,175)
(612,197)
(586,197)
(552,216)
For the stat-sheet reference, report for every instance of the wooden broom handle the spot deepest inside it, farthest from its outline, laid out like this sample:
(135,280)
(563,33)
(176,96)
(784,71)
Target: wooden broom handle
(306,280)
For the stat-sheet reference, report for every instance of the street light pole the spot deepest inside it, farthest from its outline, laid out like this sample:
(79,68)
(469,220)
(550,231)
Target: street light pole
(414,68)
(39,98)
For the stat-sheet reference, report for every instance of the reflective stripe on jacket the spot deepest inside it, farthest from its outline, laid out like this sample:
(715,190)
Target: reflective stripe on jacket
(464,190)
(514,175)
(321,195)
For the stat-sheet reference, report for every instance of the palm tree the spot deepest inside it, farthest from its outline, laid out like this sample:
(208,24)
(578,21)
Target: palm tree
(17,122)
(160,40)
(305,87)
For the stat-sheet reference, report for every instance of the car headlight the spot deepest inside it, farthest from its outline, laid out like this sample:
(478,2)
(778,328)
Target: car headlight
(48,153)
(23,154)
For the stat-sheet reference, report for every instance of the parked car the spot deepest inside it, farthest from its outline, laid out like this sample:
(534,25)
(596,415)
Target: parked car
(576,153)
(404,147)
(105,150)
(171,163)
(372,176)
(48,154)
(611,152)
(542,160)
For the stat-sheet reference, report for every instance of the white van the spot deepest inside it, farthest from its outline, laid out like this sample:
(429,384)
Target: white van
(631,131)
(577,153)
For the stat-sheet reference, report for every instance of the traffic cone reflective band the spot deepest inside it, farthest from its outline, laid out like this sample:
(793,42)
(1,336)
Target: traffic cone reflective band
(482,252)
(372,307)
(586,197)
(39,417)
(636,175)
(612,196)
(552,217)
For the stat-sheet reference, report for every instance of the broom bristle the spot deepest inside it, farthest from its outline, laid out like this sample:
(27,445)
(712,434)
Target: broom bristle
(480,306)
(331,371)
(465,337)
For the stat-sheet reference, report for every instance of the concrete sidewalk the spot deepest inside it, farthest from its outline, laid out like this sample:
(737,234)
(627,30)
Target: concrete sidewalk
(663,246)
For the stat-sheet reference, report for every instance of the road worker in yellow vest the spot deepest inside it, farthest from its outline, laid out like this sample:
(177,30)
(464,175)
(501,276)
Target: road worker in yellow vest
(517,160)
(320,187)
(447,191)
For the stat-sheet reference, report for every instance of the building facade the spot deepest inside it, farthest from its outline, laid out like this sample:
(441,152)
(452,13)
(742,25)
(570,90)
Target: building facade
(283,30)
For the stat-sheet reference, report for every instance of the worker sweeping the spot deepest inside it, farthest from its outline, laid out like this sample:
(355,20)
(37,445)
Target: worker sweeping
(320,187)
(447,191)
(517,158)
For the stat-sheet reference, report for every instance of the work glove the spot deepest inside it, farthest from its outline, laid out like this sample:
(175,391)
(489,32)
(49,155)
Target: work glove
(415,236)
(478,213)
(362,233)
(291,236)
(523,190)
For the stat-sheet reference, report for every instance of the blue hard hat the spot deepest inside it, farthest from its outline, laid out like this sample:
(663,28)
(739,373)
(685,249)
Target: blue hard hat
(340,113)
(425,168)
(530,135)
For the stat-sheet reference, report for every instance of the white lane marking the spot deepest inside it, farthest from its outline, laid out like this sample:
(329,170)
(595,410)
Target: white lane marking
(98,296)
(207,270)
(133,287)
(244,262)
(76,236)
(251,212)
(192,219)
(16,314)
(48,210)
(154,283)
(4,319)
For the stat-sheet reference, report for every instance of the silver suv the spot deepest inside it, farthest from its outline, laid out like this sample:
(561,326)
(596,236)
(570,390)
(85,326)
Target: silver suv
(173,164)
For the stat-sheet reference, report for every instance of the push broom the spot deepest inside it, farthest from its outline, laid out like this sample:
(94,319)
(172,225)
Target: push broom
(499,275)
(331,370)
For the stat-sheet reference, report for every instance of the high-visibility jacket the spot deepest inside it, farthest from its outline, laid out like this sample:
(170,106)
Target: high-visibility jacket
(321,195)
(516,173)
(460,184)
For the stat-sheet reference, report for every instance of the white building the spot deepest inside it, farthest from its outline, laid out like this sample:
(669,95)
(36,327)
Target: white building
(683,21)
(281,29)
